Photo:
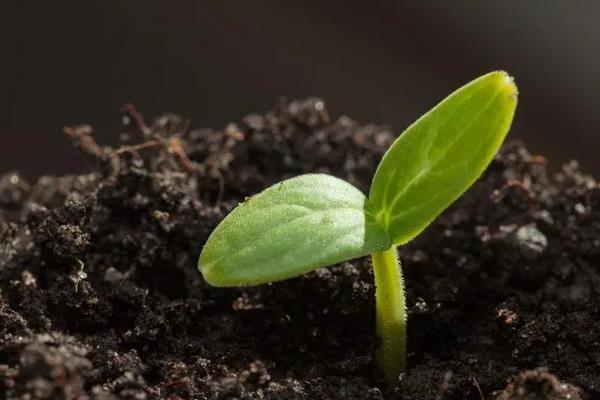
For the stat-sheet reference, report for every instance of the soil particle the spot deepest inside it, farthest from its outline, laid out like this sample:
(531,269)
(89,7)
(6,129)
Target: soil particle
(100,296)
(538,384)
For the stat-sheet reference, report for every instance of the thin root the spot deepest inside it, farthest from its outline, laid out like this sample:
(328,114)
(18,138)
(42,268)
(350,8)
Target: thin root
(499,194)
(476,383)
(137,118)
(136,147)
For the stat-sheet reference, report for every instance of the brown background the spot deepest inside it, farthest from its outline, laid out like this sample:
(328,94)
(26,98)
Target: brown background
(66,62)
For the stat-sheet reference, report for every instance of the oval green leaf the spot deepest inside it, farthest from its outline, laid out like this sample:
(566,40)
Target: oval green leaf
(438,157)
(291,228)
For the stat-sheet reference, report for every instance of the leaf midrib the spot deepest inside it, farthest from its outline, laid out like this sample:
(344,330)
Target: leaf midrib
(419,176)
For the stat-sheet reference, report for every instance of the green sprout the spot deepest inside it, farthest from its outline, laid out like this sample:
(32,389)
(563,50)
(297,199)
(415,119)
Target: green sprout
(316,220)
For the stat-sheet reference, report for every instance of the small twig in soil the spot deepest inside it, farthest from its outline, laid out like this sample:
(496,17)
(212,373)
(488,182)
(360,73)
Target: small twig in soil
(221,191)
(99,156)
(175,146)
(83,139)
(136,147)
(476,383)
(137,118)
(497,195)
(79,275)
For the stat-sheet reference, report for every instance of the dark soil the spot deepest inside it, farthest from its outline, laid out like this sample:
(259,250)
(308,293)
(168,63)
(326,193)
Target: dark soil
(101,298)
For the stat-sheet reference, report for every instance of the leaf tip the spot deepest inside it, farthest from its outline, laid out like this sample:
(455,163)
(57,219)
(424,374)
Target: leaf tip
(506,83)
(209,274)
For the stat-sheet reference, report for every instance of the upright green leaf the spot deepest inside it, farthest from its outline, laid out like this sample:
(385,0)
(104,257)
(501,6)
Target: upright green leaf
(438,157)
(291,228)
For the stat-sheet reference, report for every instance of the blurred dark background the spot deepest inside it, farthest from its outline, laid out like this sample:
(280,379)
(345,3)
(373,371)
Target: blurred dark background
(69,62)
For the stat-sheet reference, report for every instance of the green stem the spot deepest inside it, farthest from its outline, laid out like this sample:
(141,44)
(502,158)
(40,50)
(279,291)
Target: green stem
(390,313)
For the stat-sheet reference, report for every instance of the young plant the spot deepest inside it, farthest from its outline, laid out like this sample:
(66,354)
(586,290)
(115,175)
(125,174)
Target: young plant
(316,220)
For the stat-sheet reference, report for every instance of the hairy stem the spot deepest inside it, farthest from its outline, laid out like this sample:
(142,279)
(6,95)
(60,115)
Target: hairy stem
(390,313)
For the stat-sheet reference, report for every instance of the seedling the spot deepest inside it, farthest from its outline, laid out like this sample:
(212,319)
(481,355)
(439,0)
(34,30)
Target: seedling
(316,220)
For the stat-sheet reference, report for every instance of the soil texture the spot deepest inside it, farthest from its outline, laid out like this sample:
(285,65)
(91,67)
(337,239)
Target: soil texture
(101,298)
